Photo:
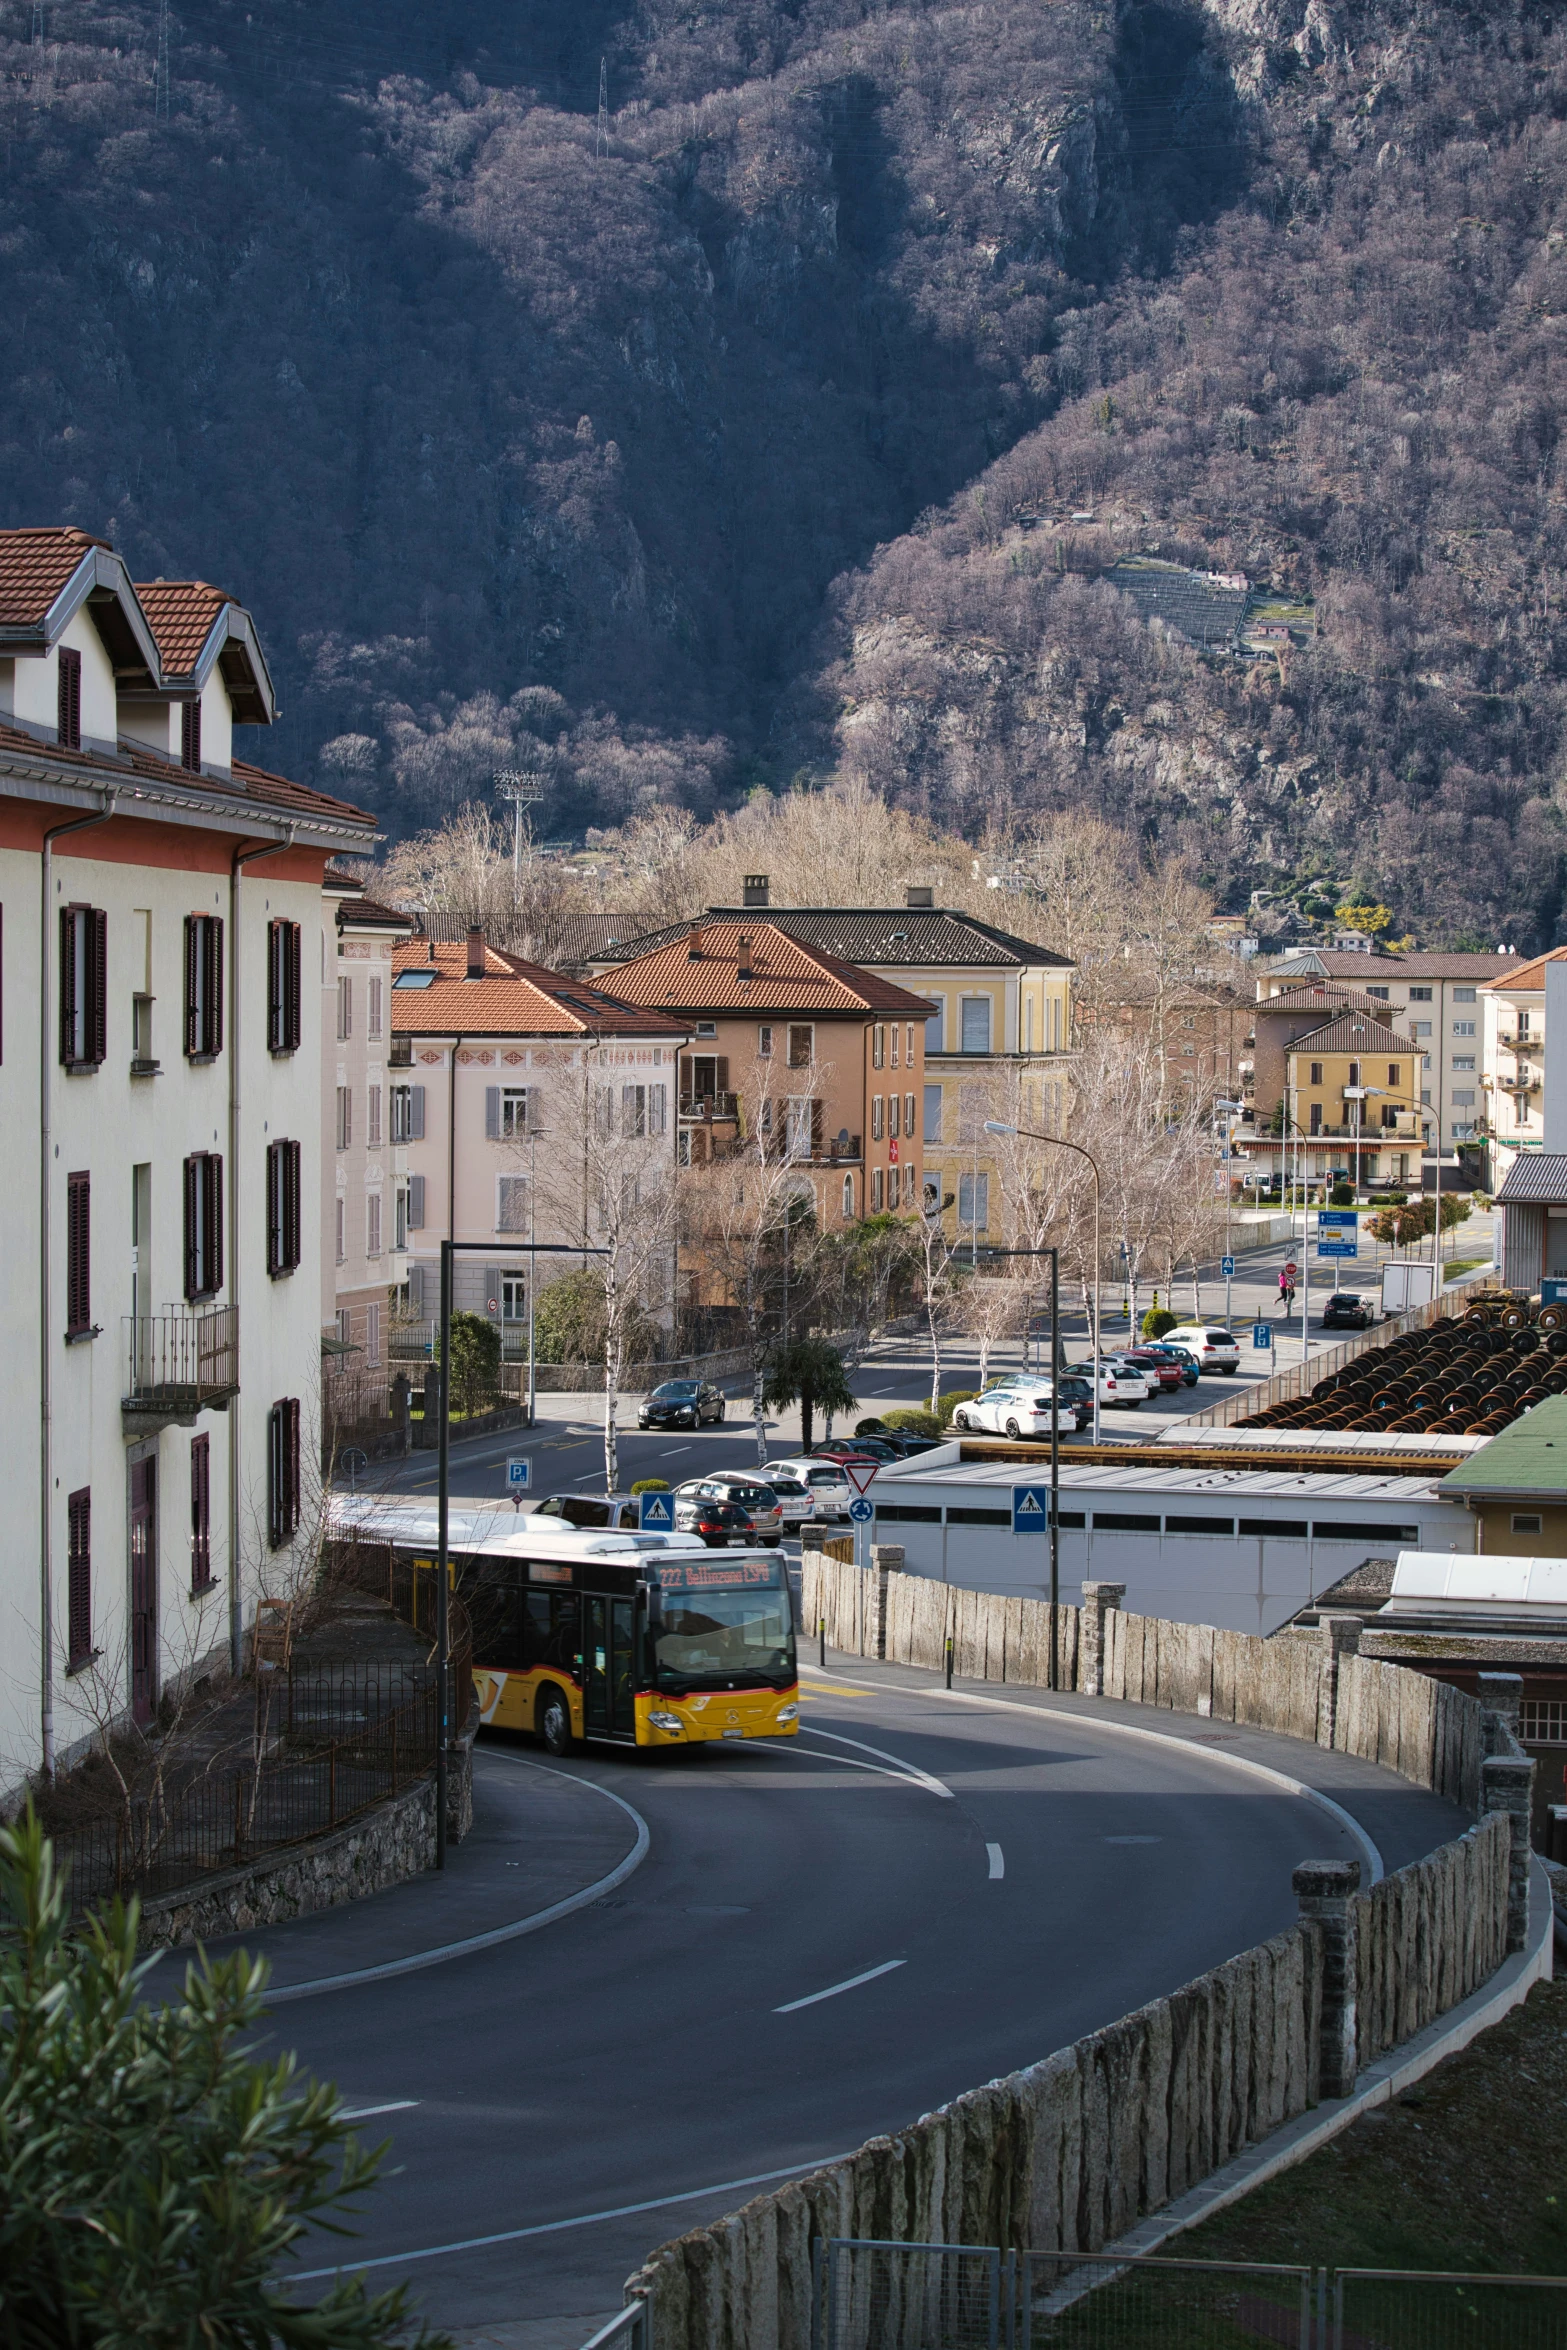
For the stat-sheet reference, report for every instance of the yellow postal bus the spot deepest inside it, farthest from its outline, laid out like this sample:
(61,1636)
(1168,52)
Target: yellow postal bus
(581,1632)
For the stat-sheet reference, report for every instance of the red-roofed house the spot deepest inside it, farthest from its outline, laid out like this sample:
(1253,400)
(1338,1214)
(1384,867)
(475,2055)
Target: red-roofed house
(489,1056)
(160,1095)
(787,1034)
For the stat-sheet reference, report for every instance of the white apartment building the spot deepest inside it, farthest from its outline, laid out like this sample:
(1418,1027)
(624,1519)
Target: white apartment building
(364,1166)
(1513,1060)
(160,1095)
(490,1055)
(1436,1001)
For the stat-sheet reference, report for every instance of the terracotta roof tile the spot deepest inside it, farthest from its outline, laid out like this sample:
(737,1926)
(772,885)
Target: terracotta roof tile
(1321,996)
(1353,1032)
(785,975)
(34,566)
(1339,963)
(370,914)
(514,998)
(180,613)
(136,760)
(1529,975)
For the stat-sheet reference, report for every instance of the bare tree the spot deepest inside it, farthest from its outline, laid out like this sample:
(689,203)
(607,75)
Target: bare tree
(607,1178)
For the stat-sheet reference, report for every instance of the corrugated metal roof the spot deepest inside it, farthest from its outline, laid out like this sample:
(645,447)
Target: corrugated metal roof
(1529,1457)
(880,937)
(1542,1176)
(1259,1484)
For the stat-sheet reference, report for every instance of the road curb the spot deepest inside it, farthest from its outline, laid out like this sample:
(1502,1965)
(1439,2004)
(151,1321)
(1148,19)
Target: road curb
(471,1943)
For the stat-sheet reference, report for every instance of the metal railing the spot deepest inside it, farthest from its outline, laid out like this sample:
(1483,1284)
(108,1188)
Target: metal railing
(628,2329)
(180,1359)
(870,2295)
(1301,1378)
(696,1108)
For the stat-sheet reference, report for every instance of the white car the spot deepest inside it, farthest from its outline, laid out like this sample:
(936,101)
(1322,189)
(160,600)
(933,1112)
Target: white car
(1020,1408)
(829,1489)
(1210,1345)
(795,1501)
(1121,1384)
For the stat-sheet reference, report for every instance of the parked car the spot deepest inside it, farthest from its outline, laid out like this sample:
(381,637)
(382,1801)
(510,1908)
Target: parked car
(1210,1345)
(1164,1371)
(683,1403)
(796,1502)
(719,1523)
(904,1439)
(758,1500)
(1185,1364)
(858,1448)
(1021,1409)
(592,1509)
(828,1487)
(1347,1309)
(1123,1384)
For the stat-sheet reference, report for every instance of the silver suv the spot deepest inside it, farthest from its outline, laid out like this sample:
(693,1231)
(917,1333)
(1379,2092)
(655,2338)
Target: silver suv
(760,1503)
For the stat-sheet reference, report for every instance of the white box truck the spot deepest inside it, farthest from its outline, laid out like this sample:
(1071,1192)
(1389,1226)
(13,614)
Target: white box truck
(1407,1282)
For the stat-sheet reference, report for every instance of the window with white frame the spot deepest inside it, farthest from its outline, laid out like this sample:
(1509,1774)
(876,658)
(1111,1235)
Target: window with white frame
(848,1196)
(514,1297)
(933,1113)
(938,1012)
(506,1113)
(975,1023)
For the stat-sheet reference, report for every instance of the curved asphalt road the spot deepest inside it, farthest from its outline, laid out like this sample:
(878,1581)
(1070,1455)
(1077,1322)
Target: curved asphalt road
(1006,1878)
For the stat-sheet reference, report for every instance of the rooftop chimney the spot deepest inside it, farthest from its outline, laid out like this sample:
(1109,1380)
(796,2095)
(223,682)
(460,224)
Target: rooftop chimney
(475,953)
(753,890)
(919,897)
(743,956)
(694,948)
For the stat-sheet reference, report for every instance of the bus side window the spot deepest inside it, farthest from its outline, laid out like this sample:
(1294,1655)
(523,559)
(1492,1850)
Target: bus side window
(491,1597)
(550,1630)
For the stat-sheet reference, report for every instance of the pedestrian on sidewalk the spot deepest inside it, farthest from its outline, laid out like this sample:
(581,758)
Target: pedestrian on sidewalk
(1287,1290)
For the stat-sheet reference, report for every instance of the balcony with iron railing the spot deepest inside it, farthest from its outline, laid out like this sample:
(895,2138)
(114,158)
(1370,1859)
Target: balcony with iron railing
(179,1362)
(709,1109)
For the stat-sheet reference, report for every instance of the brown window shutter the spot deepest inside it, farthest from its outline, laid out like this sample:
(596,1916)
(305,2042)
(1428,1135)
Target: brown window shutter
(293,1464)
(200,1512)
(192,984)
(97,986)
(274,987)
(78,1254)
(192,1226)
(817,1127)
(295,995)
(69,701)
(291,1171)
(212,1039)
(190,736)
(721,1084)
(274,1207)
(79,1575)
(214,1166)
(68,978)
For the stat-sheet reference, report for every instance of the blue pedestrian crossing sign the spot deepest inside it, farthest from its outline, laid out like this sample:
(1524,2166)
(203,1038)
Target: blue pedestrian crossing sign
(519,1473)
(657,1513)
(1030,1509)
(861,1511)
(1262,1337)
(1227,1268)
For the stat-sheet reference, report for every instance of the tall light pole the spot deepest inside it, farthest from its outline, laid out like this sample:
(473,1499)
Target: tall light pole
(1060,1143)
(524,787)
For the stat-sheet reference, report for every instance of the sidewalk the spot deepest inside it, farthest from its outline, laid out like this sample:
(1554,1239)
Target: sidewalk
(542,1836)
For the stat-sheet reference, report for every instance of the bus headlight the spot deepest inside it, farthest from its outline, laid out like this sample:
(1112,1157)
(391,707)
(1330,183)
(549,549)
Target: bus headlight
(788,1713)
(666,1721)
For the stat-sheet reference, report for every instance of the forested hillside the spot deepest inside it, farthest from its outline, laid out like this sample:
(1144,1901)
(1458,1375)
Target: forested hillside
(732,427)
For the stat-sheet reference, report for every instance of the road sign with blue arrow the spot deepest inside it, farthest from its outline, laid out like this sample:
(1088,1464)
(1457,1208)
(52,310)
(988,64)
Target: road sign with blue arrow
(657,1513)
(861,1511)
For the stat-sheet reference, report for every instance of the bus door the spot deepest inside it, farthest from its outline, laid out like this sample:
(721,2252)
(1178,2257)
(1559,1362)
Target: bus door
(606,1667)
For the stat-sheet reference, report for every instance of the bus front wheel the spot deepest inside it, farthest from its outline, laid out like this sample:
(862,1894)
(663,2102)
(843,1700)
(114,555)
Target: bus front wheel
(554,1722)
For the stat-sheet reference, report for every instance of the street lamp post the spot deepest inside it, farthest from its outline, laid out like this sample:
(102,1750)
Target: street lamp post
(1059,1142)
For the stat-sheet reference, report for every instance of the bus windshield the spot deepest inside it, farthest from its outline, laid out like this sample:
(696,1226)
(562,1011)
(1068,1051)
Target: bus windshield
(715,1638)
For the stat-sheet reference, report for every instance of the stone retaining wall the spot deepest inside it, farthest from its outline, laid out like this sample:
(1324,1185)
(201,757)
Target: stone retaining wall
(378,1848)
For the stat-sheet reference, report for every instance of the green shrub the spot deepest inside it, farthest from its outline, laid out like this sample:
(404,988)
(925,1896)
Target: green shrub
(1343,1196)
(912,1420)
(1157,1321)
(1389,1199)
(476,1362)
(158,2179)
(651,1485)
(949,1403)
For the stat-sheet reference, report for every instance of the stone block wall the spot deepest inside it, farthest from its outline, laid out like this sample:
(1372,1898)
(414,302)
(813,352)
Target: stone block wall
(1429,1935)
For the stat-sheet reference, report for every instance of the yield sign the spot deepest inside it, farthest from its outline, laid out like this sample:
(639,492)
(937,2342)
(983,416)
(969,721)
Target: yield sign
(860,1473)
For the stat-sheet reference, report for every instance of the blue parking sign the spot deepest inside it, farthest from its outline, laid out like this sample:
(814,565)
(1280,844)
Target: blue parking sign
(861,1511)
(656,1513)
(519,1473)
(1030,1509)
(1262,1337)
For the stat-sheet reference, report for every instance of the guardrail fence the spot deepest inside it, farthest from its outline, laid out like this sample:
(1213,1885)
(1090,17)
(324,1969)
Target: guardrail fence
(875,2295)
